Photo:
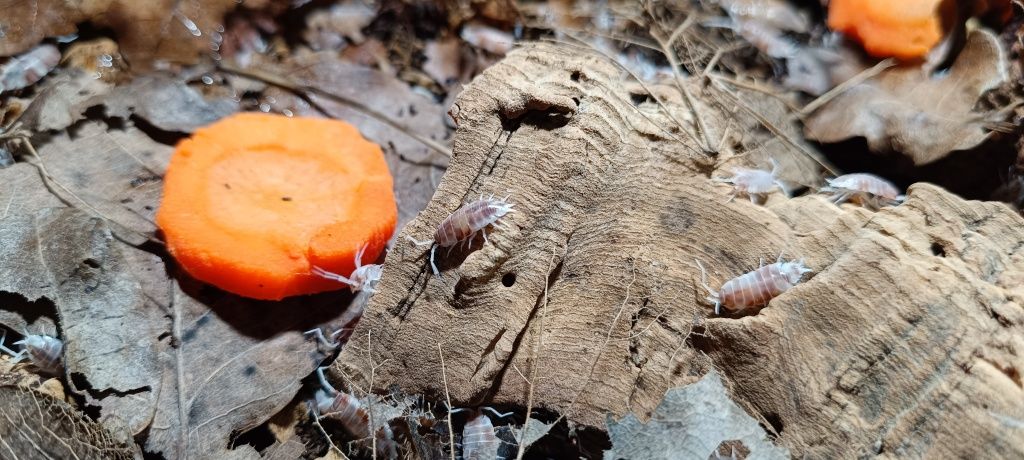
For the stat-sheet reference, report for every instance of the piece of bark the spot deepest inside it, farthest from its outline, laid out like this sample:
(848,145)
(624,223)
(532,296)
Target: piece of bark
(909,324)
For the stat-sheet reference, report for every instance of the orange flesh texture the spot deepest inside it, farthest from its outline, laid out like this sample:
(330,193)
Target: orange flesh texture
(905,29)
(254,201)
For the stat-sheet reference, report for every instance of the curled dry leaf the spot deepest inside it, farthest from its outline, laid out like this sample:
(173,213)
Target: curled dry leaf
(33,425)
(691,422)
(923,117)
(167,103)
(63,101)
(882,343)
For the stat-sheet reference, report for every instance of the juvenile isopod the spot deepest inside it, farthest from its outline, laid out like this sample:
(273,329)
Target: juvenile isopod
(350,413)
(43,351)
(754,288)
(870,190)
(463,224)
(363,278)
(755,183)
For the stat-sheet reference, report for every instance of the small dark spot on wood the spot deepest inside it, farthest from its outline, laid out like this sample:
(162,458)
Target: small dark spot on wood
(575,75)
(91,263)
(250,371)
(508,280)
(775,421)
(148,207)
(286,198)
(412,110)
(938,250)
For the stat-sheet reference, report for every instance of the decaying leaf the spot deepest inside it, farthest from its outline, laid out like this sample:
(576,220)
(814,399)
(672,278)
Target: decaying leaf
(147,31)
(690,422)
(33,425)
(118,173)
(167,103)
(327,29)
(109,327)
(416,168)
(63,101)
(237,364)
(923,117)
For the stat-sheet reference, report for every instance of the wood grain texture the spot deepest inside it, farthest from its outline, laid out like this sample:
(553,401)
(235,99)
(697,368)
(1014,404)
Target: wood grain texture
(904,340)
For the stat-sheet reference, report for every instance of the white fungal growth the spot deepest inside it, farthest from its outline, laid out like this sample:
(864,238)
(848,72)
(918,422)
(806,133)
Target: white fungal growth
(755,183)
(869,190)
(363,278)
(463,224)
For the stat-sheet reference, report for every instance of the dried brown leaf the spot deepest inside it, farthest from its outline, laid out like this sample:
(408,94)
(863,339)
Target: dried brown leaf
(239,363)
(327,29)
(923,117)
(63,101)
(118,172)
(167,103)
(33,425)
(109,326)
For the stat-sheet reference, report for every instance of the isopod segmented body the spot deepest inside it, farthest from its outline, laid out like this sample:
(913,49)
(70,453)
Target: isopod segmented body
(45,352)
(463,224)
(870,190)
(350,413)
(478,439)
(363,278)
(755,183)
(755,288)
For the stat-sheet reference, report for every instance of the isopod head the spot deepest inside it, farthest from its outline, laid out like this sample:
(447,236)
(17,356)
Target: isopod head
(793,270)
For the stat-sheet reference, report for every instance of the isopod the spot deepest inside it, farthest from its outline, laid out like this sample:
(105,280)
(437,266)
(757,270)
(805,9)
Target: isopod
(755,183)
(363,278)
(350,413)
(478,439)
(24,70)
(870,190)
(463,224)
(43,351)
(754,288)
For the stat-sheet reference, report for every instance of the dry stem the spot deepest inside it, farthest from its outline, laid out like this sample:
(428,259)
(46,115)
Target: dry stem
(285,83)
(448,400)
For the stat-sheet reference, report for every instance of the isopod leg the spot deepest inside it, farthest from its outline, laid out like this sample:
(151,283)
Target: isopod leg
(498,414)
(432,265)
(484,233)
(15,355)
(323,381)
(319,335)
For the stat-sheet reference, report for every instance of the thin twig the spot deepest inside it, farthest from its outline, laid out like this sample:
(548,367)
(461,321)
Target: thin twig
(448,400)
(754,87)
(179,364)
(535,357)
(673,61)
(285,83)
(842,87)
(333,447)
(775,130)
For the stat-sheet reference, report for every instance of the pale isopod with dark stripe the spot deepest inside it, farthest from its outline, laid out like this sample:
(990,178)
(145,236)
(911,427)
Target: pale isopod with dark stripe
(463,224)
(350,413)
(363,278)
(754,288)
(870,190)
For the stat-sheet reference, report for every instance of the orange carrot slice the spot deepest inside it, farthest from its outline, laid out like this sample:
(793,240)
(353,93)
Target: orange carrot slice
(904,29)
(254,201)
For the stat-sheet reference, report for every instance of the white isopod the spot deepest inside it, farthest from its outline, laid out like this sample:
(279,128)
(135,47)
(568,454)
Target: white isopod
(463,224)
(45,352)
(754,288)
(869,190)
(755,183)
(363,278)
